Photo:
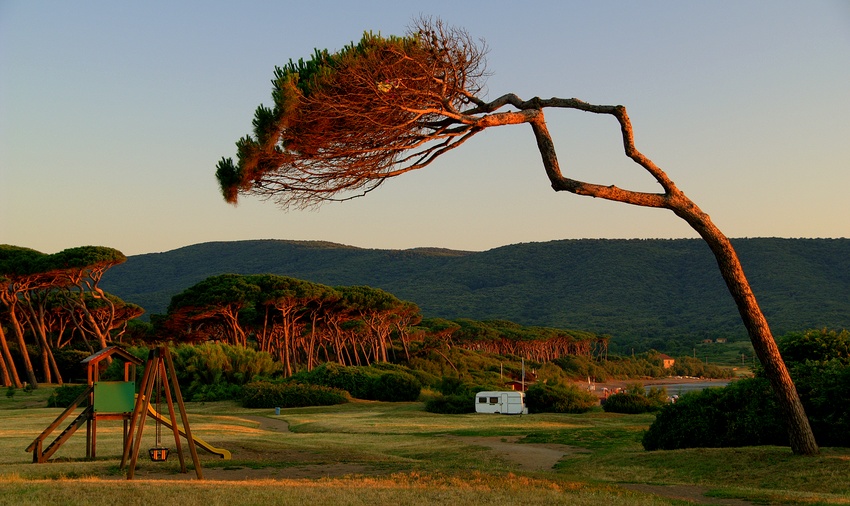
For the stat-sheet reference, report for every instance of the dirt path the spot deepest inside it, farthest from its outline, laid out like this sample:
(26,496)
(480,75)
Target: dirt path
(269,424)
(528,457)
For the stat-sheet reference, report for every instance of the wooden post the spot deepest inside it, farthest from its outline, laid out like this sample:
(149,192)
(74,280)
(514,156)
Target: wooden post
(140,410)
(92,426)
(128,444)
(189,439)
(174,428)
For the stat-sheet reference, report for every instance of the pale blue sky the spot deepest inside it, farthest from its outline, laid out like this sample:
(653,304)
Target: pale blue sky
(114,114)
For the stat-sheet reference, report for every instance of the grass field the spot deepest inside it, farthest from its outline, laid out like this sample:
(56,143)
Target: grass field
(379,453)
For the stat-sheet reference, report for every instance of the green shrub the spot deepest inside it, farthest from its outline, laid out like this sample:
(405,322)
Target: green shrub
(452,385)
(217,371)
(383,382)
(397,387)
(63,396)
(636,399)
(264,394)
(451,404)
(823,389)
(544,398)
(627,403)
(216,392)
(357,381)
(744,413)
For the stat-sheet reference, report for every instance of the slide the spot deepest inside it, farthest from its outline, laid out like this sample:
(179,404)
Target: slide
(221,452)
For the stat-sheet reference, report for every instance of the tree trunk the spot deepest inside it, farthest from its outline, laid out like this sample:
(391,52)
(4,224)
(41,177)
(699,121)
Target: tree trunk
(799,430)
(22,345)
(10,372)
(800,433)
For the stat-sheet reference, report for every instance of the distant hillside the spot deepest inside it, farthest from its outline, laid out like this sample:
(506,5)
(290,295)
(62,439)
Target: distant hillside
(654,291)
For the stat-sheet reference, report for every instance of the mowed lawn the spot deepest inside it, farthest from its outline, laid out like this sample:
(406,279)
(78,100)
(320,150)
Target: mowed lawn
(384,453)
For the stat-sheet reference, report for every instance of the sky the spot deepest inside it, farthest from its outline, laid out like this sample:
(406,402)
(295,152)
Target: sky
(113,116)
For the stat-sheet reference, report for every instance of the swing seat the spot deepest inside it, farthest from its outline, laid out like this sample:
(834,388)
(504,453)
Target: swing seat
(158,454)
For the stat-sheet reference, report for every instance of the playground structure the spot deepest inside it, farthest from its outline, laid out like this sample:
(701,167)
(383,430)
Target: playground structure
(117,400)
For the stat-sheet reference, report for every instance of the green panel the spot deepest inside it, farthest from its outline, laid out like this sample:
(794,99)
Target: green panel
(114,396)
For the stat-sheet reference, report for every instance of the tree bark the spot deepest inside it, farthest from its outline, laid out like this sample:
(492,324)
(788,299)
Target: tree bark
(10,372)
(22,345)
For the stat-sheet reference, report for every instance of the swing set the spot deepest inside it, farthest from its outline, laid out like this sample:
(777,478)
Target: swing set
(116,400)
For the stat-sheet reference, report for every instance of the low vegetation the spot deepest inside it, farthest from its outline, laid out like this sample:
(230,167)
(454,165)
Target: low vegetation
(263,394)
(636,399)
(745,413)
(556,398)
(397,453)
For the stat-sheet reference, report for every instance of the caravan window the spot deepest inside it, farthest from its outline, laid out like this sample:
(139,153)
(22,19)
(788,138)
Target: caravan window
(494,400)
(482,400)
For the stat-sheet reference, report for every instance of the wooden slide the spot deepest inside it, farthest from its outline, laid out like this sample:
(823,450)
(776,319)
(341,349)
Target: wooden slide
(221,452)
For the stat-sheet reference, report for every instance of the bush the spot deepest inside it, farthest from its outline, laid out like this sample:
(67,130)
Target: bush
(354,380)
(635,400)
(217,371)
(63,396)
(824,391)
(397,387)
(451,404)
(216,392)
(452,385)
(744,413)
(458,396)
(381,383)
(628,403)
(264,394)
(544,398)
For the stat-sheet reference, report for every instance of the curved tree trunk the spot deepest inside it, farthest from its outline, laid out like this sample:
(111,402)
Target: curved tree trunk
(800,433)
(799,430)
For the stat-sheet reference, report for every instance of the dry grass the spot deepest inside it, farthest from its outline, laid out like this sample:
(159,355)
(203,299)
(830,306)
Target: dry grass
(379,453)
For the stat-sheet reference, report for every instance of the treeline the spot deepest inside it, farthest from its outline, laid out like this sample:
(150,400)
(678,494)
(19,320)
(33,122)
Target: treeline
(540,344)
(54,302)
(55,313)
(303,324)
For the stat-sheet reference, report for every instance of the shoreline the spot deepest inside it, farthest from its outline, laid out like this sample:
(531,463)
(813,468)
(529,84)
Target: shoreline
(613,386)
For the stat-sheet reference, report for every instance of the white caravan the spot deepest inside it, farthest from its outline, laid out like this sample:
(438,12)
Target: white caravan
(506,403)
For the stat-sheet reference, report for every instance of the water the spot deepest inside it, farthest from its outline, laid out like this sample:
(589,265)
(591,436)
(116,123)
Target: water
(682,388)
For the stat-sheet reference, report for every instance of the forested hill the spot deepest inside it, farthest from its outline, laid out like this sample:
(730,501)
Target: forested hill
(653,291)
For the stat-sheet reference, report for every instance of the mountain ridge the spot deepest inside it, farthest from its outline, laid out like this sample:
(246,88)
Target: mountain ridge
(656,290)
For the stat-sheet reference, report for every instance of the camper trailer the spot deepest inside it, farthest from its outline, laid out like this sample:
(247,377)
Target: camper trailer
(506,403)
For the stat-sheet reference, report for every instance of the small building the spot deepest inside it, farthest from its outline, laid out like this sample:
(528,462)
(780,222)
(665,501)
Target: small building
(501,402)
(667,361)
